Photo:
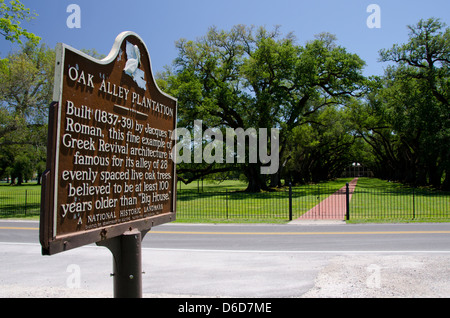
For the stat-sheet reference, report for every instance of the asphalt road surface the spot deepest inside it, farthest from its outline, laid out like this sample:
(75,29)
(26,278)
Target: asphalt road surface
(252,261)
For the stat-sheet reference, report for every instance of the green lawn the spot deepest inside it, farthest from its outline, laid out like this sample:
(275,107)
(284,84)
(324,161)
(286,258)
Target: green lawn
(226,201)
(20,201)
(212,186)
(376,199)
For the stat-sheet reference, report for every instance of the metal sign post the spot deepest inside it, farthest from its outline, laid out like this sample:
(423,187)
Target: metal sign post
(110,176)
(127,263)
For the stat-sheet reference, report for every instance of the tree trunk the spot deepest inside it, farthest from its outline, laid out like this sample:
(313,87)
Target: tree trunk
(19,179)
(275,179)
(256,181)
(446,184)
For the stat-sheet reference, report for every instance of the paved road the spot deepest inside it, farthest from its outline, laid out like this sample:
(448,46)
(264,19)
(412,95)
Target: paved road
(333,260)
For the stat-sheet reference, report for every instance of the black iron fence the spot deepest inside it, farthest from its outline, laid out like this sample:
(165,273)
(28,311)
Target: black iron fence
(317,202)
(20,203)
(376,203)
(322,201)
(283,204)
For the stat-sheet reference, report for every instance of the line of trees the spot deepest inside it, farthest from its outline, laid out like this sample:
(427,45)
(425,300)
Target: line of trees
(405,117)
(328,113)
(26,80)
(26,85)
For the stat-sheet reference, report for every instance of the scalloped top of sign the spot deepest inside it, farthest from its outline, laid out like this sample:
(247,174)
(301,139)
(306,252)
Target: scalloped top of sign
(130,49)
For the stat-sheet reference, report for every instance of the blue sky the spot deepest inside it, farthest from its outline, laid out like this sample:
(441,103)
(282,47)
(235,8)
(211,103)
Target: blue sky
(161,23)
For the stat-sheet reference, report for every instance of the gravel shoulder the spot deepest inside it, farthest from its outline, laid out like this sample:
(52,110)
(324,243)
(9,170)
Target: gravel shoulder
(387,276)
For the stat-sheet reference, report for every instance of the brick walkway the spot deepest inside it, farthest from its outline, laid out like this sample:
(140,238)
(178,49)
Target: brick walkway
(333,207)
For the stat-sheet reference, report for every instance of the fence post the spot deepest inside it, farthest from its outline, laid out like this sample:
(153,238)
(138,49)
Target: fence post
(318,198)
(414,203)
(347,201)
(26,194)
(226,200)
(290,201)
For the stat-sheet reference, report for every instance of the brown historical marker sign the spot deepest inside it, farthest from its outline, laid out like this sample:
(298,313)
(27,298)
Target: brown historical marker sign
(109,165)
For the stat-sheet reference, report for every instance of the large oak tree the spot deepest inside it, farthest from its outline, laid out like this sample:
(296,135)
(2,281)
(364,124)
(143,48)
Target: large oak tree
(255,78)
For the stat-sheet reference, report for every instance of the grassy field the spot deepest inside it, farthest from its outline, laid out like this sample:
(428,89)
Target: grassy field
(211,186)
(20,201)
(380,200)
(226,202)
(374,200)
